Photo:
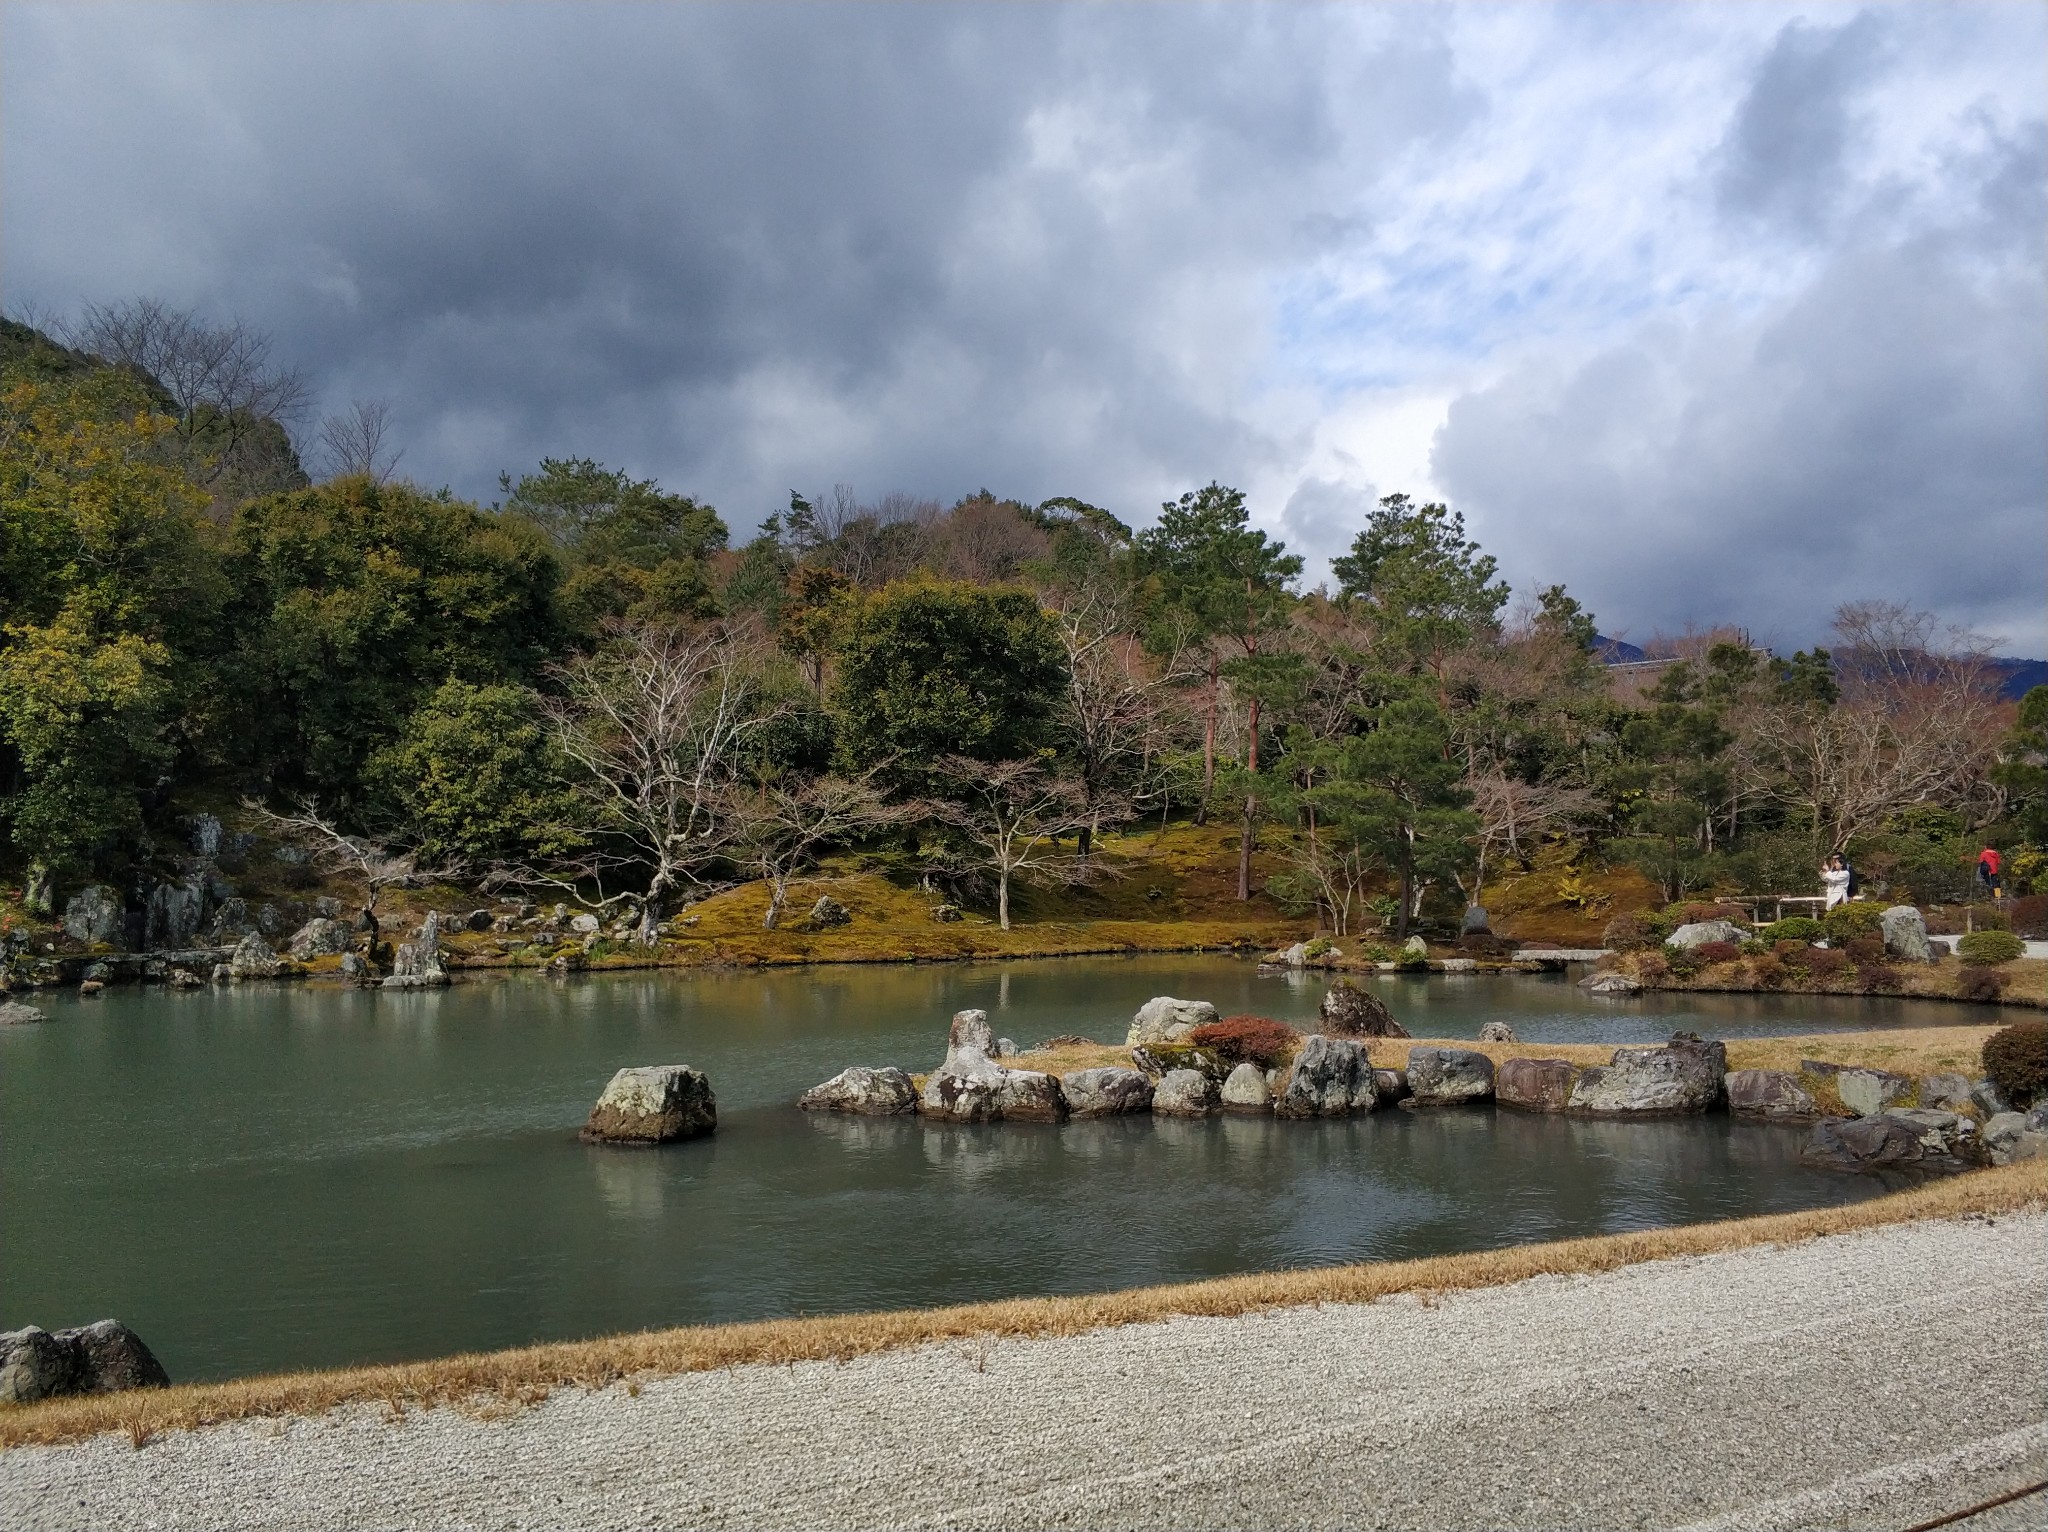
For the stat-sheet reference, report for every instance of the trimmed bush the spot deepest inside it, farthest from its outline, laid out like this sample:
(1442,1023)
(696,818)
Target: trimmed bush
(1987,949)
(1864,949)
(1793,928)
(1793,950)
(1248,1039)
(1683,962)
(2016,1061)
(1826,962)
(1768,971)
(1859,917)
(1710,953)
(1983,985)
(2030,917)
(1652,969)
(1880,978)
(1691,914)
(1628,933)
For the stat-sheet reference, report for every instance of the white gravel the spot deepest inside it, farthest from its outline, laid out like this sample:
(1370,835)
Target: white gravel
(1869,1380)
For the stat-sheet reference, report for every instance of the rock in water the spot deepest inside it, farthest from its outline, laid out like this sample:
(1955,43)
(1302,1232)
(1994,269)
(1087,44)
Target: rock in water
(1026,1095)
(1164,1019)
(1917,1140)
(1682,1077)
(1699,932)
(1245,1090)
(1332,1077)
(100,1358)
(1448,1076)
(828,912)
(253,958)
(319,937)
(1110,1092)
(1773,1094)
(1534,1085)
(1497,1032)
(1348,1011)
(417,963)
(967,1086)
(1610,984)
(93,914)
(1184,1093)
(867,1092)
(1392,1085)
(1905,934)
(15,1014)
(655,1104)
(34,1365)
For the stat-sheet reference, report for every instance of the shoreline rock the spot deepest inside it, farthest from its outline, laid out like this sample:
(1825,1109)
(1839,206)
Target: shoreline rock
(1111,1091)
(866,1092)
(1163,1019)
(1448,1076)
(104,1357)
(1534,1085)
(1677,1079)
(1331,1077)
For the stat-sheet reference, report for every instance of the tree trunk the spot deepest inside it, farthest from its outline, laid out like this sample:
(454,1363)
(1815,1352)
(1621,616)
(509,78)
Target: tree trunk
(1248,832)
(778,892)
(1208,745)
(1003,897)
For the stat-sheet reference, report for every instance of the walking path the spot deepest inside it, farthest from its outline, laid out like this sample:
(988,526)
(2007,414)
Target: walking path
(1865,1380)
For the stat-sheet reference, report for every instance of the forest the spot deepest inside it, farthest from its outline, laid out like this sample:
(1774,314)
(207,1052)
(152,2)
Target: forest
(589,688)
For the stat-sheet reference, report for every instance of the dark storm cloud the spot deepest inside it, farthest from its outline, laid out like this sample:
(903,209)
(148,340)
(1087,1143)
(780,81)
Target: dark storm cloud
(1786,154)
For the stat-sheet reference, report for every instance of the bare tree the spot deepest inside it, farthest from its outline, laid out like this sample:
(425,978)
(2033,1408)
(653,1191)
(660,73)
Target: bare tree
(654,723)
(1115,711)
(1512,813)
(358,441)
(779,827)
(377,864)
(1013,813)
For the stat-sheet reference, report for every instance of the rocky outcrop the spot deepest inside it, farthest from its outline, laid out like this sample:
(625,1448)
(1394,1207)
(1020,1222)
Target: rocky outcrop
(1497,1032)
(655,1104)
(1448,1076)
(969,1086)
(1698,933)
(174,914)
(1331,1077)
(1164,1019)
(866,1092)
(94,914)
(1534,1085)
(1774,1095)
(1902,1138)
(1025,1095)
(1245,1089)
(319,937)
(14,1013)
(1905,934)
(1111,1092)
(253,958)
(1348,1011)
(100,1358)
(829,912)
(1610,984)
(1680,1078)
(1866,1092)
(417,963)
(2011,1136)
(1184,1093)
(1946,1092)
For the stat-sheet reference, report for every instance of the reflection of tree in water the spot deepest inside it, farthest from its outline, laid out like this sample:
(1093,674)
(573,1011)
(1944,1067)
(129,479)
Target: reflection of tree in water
(630,1180)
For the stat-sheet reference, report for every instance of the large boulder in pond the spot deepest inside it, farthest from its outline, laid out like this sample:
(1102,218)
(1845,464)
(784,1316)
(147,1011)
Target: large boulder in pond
(100,1358)
(417,963)
(1164,1019)
(1774,1095)
(1907,1139)
(1610,984)
(1904,930)
(654,1104)
(1698,933)
(1184,1093)
(1348,1011)
(1534,1085)
(319,937)
(866,1092)
(253,958)
(1245,1089)
(1682,1077)
(967,1085)
(16,1013)
(1026,1095)
(1109,1092)
(1331,1077)
(94,914)
(1448,1076)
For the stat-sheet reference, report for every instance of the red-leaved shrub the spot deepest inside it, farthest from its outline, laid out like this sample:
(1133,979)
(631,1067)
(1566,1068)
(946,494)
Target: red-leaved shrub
(1826,962)
(1864,949)
(1791,951)
(1981,984)
(1717,952)
(1248,1039)
(1767,969)
(1880,978)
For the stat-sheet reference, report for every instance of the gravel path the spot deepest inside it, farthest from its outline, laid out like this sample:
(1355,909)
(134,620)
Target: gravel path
(1868,1380)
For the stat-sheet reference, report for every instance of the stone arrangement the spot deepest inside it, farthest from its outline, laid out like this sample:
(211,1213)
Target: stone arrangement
(99,1358)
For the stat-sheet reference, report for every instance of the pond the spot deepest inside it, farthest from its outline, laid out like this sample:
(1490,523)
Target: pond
(284,1176)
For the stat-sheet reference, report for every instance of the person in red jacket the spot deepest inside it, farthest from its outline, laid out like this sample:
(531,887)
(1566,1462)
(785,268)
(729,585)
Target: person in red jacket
(1989,865)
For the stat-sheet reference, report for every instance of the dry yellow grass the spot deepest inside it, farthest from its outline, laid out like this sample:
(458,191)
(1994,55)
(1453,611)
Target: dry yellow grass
(494,1381)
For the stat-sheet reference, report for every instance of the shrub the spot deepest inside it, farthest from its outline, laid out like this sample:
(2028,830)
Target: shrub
(1690,914)
(1652,969)
(1710,953)
(1683,962)
(1319,947)
(2016,1061)
(2030,917)
(1826,962)
(1859,917)
(1767,971)
(1793,950)
(1248,1039)
(1627,933)
(1987,949)
(1880,978)
(1865,949)
(1984,985)
(1793,928)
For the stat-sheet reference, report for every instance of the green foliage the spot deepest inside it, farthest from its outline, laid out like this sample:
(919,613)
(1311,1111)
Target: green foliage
(934,668)
(1218,576)
(473,777)
(1988,949)
(2016,1061)
(1858,917)
(1793,928)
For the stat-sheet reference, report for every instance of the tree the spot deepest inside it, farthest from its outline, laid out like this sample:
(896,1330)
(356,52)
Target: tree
(779,825)
(933,668)
(1111,719)
(1509,813)
(1012,813)
(358,441)
(377,864)
(1430,591)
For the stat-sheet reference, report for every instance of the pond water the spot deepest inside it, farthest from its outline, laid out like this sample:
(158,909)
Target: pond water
(283,1176)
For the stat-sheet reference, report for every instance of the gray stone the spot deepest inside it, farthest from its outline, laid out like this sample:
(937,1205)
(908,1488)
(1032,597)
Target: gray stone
(1392,1085)
(34,1365)
(253,958)
(1458,965)
(1448,1076)
(1475,922)
(1005,1048)
(1026,1095)
(1414,948)
(1610,984)
(15,1013)
(2008,1136)
(206,835)
(1899,1138)
(112,1358)
(1773,1094)
(1866,1092)
(231,922)
(353,967)
(1988,1098)
(319,937)
(1905,934)
(1698,933)
(1682,1077)
(967,1085)
(1349,1011)
(1164,1019)
(1109,1092)
(174,914)
(1245,1089)
(1497,1032)
(1946,1092)
(1293,957)
(1184,1093)
(1534,1085)
(584,924)
(946,913)
(829,912)
(93,914)
(417,963)
(185,978)
(654,1104)
(1331,1077)
(866,1092)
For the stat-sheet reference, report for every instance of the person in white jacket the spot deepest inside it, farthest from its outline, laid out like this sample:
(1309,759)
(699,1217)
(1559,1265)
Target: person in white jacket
(1834,881)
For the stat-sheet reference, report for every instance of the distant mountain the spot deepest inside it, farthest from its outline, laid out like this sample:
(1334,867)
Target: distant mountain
(2016,677)
(1615,651)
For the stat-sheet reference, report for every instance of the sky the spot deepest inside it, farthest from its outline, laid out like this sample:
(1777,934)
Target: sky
(1723,313)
